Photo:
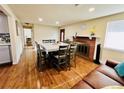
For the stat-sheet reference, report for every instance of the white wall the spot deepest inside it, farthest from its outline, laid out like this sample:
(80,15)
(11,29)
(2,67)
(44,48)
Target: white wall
(16,41)
(45,32)
(70,30)
(19,42)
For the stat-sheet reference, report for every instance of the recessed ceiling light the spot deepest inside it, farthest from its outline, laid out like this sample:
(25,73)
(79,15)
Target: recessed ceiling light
(91,9)
(40,19)
(57,22)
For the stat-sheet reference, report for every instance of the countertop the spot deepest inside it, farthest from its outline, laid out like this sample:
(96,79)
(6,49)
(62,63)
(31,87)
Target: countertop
(5,44)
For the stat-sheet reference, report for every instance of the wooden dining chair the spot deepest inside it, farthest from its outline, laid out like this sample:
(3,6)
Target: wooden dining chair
(61,59)
(52,41)
(46,41)
(37,52)
(72,54)
(41,64)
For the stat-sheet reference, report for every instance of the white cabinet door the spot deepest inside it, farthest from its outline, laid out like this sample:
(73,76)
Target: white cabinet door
(4,54)
(4,28)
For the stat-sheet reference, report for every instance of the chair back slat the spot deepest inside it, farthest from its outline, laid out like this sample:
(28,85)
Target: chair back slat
(63,50)
(73,48)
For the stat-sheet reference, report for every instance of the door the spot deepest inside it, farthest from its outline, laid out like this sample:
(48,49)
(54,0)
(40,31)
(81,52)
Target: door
(62,35)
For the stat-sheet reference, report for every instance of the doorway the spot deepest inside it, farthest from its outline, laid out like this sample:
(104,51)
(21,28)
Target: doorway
(62,35)
(28,36)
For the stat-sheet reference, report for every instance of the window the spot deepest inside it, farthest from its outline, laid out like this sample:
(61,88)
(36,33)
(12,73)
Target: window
(114,38)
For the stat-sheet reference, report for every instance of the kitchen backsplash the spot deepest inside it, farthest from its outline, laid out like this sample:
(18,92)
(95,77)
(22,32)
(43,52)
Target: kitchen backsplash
(5,37)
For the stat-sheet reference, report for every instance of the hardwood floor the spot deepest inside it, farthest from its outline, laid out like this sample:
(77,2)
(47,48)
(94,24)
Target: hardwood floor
(25,74)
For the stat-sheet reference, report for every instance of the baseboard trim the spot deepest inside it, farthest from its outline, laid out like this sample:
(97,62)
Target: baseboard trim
(6,64)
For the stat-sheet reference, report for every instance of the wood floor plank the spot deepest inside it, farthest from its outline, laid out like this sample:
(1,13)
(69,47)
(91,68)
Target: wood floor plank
(24,75)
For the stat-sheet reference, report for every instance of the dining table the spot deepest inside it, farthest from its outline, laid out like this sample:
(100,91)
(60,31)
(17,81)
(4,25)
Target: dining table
(51,47)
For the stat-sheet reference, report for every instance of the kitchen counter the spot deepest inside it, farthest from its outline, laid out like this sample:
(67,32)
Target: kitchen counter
(5,44)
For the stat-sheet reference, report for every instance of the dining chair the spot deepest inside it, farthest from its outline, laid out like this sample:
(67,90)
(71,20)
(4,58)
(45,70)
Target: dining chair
(46,41)
(52,41)
(61,59)
(72,54)
(37,52)
(40,58)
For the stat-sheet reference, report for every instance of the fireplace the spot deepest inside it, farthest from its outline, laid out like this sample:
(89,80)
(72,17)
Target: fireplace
(86,46)
(83,50)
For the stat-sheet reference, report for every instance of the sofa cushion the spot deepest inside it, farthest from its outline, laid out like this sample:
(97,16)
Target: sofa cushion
(120,69)
(110,72)
(81,85)
(99,80)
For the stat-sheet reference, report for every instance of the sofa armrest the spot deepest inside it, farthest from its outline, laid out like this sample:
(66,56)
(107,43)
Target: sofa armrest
(112,63)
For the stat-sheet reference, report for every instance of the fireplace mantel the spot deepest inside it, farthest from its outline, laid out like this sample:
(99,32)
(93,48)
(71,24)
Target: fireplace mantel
(86,36)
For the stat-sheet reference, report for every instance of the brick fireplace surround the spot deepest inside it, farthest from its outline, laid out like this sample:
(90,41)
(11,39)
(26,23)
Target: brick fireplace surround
(91,42)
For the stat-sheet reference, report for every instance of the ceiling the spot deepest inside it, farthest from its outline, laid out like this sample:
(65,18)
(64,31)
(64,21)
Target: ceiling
(64,13)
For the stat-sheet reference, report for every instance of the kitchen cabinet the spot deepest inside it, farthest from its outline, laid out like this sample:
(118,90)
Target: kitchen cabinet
(3,23)
(5,54)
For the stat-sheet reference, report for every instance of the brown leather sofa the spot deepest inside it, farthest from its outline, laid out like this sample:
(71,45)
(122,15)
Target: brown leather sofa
(101,77)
